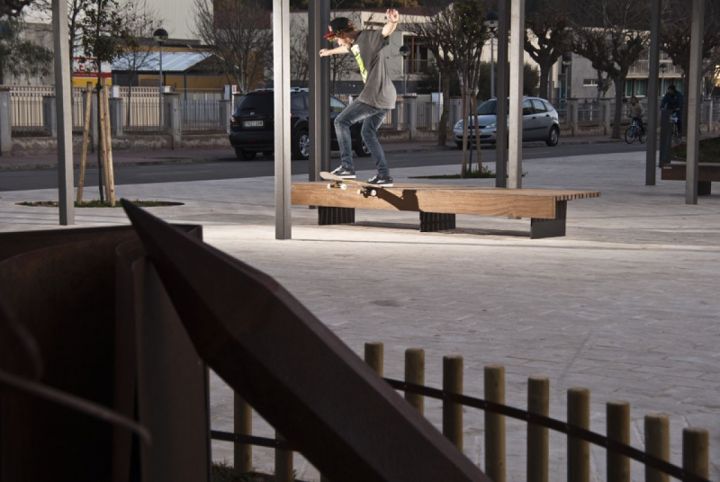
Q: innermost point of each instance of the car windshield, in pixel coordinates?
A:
(489, 107)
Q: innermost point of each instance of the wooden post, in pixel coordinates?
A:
(374, 356)
(242, 424)
(103, 140)
(695, 452)
(85, 141)
(618, 429)
(452, 412)
(415, 373)
(110, 185)
(657, 444)
(538, 451)
(283, 463)
(578, 463)
(495, 424)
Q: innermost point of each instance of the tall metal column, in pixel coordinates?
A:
(517, 36)
(318, 18)
(501, 88)
(63, 104)
(281, 84)
(694, 96)
(652, 94)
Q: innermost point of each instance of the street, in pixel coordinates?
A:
(213, 164)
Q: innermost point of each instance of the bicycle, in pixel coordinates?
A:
(635, 131)
(676, 136)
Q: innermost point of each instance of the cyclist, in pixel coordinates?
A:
(636, 113)
(673, 102)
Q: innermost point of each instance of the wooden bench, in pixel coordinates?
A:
(708, 172)
(438, 204)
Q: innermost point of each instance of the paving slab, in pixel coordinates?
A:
(626, 304)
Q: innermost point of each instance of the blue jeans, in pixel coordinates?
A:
(372, 118)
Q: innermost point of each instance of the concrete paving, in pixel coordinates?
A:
(626, 304)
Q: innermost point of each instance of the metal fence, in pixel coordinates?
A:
(201, 111)
(141, 108)
(538, 452)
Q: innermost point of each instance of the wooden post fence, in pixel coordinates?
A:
(695, 442)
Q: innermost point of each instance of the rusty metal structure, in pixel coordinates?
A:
(82, 395)
(105, 334)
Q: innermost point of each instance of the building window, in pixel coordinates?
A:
(590, 83)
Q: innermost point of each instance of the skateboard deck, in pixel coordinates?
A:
(337, 182)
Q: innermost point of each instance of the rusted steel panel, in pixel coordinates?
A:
(58, 327)
(293, 370)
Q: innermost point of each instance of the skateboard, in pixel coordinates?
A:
(337, 182)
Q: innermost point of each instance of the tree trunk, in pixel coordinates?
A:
(619, 91)
(473, 110)
(466, 121)
(545, 71)
(443, 127)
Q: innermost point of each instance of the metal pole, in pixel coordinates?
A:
(281, 72)
(652, 95)
(64, 112)
(318, 17)
(502, 95)
(160, 90)
(693, 120)
(517, 25)
(492, 66)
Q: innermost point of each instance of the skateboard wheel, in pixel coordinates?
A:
(329, 186)
(373, 192)
(343, 187)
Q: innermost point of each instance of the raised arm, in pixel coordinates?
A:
(336, 51)
(393, 17)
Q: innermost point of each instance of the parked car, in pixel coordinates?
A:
(252, 127)
(540, 122)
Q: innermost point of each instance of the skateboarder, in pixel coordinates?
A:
(376, 98)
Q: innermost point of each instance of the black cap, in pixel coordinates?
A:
(338, 25)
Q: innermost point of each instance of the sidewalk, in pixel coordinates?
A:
(48, 159)
(626, 304)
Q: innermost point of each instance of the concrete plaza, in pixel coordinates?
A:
(626, 304)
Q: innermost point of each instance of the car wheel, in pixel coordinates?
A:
(244, 155)
(553, 136)
(362, 149)
(301, 146)
(458, 144)
(268, 154)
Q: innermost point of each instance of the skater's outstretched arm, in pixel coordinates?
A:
(336, 51)
(393, 17)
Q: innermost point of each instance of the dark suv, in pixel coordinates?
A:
(252, 127)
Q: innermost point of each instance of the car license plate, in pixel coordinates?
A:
(253, 123)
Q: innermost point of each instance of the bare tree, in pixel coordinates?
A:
(299, 62)
(437, 34)
(19, 56)
(466, 46)
(13, 8)
(675, 39)
(548, 36)
(612, 34)
(136, 53)
(239, 34)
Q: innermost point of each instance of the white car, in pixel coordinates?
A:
(540, 122)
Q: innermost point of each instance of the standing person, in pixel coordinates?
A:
(378, 94)
(673, 101)
(636, 113)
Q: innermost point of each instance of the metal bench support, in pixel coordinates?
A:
(328, 215)
(436, 222)
(546, 228)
